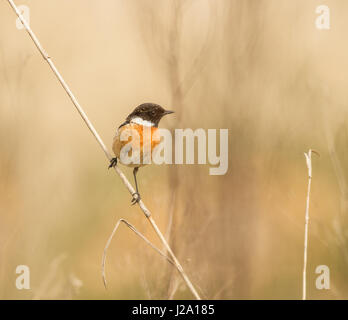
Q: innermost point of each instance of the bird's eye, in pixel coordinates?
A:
(153, 112)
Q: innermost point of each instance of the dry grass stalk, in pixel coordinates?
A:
(309, 166)
(130, 226)
(125, 181)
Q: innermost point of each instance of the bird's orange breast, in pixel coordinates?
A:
(136, 137)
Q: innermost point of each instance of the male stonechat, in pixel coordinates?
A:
(144, 118)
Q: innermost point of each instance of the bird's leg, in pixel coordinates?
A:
(136, 195)
(113, 162)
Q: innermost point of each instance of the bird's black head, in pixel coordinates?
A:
(150, 112)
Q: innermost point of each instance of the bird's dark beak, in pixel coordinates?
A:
(167, 112)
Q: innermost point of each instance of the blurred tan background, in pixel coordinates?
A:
(259, 68)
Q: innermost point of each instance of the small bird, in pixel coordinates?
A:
(145, 115)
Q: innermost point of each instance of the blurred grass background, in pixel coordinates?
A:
(259, 68)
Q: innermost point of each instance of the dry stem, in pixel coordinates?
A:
(130, 226)
(309, 166)
(101, 143)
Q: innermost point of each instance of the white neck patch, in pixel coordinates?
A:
(142, 122)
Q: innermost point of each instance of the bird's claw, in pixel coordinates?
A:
(113, 162)
(136, 198)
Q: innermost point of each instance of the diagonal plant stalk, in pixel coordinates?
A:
(130, 226)
(125, 181)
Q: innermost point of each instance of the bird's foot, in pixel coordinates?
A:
(113, 162)
(136, 198)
